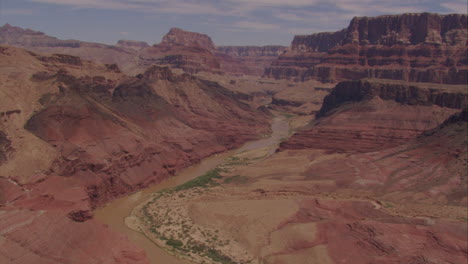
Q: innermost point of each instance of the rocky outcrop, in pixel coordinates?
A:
(190, 51)
(411, 47)
(87, 134)
(11, 35)
(371, 115)
(320, 42)
(122, 55)
(254, 59)
(408, 29)
(177, 36)
(5, 147)
(400, 92)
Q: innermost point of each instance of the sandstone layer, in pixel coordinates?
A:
(369, 115)
(75, 134)
(412, 47)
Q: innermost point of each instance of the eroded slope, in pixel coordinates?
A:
(76, 134)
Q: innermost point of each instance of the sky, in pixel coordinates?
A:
(227, 22)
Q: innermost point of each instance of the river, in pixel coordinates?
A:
(114, 213)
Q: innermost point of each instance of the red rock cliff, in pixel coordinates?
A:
(190, 51)
(412, 47)
(177, 36)
(371, 115)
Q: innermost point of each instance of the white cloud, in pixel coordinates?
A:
(293, 16)
(98, 4)
(373, 7)
(302, 31)
(246, 7)
(289, 3)
(456, 6)
(255, 26)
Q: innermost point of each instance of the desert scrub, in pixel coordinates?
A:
(233, 161)
(175, 243)
(236, 179)
(288, 115)
(206, 180)
(218, 257)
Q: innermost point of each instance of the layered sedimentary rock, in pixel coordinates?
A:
(190, 51)
(77, 134)
(254, 58)
(177, 36)
(39, 42)
(369, 115)
(411, 47)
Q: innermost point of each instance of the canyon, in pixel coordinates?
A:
(92, 134)
(346, 147)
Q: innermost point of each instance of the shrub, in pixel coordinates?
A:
(174, 243)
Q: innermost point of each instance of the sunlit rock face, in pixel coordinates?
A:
(411, 47)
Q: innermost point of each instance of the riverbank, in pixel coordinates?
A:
(114, 213)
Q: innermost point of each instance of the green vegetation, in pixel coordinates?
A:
(174, 243)
(218, 257)
(206, 180)
(236, 179)
(288, 115)
(162, 225)
(232, 161)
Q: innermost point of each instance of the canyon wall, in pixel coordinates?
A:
(371, 115)
(411, 47)
(75, 134)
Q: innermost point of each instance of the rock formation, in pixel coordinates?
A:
(411, 47)
(75, 134)
(370, 115)
(39, 42)
(190, 51)
(177, 36)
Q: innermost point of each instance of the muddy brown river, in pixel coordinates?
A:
(114, 213)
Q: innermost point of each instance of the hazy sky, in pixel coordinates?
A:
(228, 22)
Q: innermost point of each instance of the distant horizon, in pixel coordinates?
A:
(227, 22)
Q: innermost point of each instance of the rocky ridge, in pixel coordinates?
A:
(190, 51)
(370, 115)
(412, 47)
